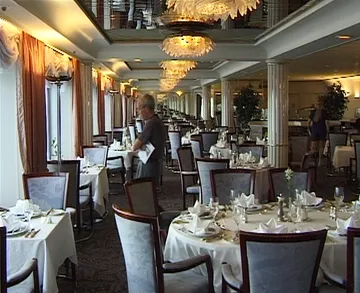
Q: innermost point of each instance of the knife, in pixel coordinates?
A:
(32, 234)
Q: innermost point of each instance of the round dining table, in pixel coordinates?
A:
(182, 244)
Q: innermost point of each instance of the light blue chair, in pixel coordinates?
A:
(209, 138)
(225, 180)
(145, 268)
(96, 155)
(256, 151)
(47, 190)
(276, 263)
(204, 166)
(196, 146)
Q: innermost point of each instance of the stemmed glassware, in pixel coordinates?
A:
(339, 195)
(237, 216)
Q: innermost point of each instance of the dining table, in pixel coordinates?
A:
(342, 155)
(53, 243)
(223, 247)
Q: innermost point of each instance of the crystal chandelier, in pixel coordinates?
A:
(167, 84)
(187, 44)
(176, 69)
(212, 9)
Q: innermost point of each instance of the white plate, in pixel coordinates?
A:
(24, 216)
(22, 229)
(254, 208)
(57, 212)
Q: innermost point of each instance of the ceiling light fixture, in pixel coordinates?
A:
(343, 37)
(167, 85)
(213, 9)
(137, 60)
(187, 44)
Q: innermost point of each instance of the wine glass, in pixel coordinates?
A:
(237, 217)
(232, 197)
(339, 195)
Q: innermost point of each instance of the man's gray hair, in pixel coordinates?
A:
(148, 101)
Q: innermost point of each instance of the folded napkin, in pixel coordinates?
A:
(202, 228)
(309, 199)
(10, 222)
(263, 162)
(197, 209)
(23, 206)
(244, 157)
(342, 225)
(246, 201)
(115, 145)
(260, 141)
(220, 144)
(272, 227)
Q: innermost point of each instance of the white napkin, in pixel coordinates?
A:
(342, 225)
(206, 228)
(263, 162)
(309, 199)
(260, 141)
(197, 209)
(272, 227)
(10, 222)
(246, 200)
(23, 206)
(220, 144)
(195, 223)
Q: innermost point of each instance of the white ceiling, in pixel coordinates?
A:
(307, 39)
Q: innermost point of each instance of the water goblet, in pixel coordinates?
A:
(339, 195)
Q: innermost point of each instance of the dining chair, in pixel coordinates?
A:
(74, 200)
(188, 174)
(204, 166)
(208, 138)
(299, 146)
(30, 267)
(225, 180)
(95, 155)
(115, 166)
(197, 146)
(47, 190)
(256, 151)
(335, 139)
(175, 143)
(132, 132)
(354, 137)
(142, 199)
(276, 263)
(353, 260)
(278, 184)
(145, 268)
(133, 168)
(100, 140)
(139, 126)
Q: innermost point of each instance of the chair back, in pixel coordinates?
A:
(186, 163)
(175, 143)
(336, 139)
(282, 262)
(256, 131)
(139, 126)
(224, 180)
(209, 138)
(278, 183)
(354, 137)
(72, 167)
(299, 146)
(134, 165)
(353, 260)
(118, 135)
(96, 155)
(132, 132)
(139, 237)
(141, 194)
(99, 140)
(357, 159)
(196, 146)
(47, 190)
(256, 151)
(185, 128)
(3, 274)
(204, 166)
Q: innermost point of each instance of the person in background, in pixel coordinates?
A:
(153, 132)
(318, 130)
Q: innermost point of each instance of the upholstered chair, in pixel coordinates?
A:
(276, 263)
(175, 143)
(47, 190)
(299, 146)
(188, 174)
(30, 267)
(132, 132)
(100, 140)
(224, 180)
(204, 166)
(335, 139)
(197, 146)
(146, 271)
(256, 151)
(278, 184)
(209, 138)
(95, 155)
(139, 126)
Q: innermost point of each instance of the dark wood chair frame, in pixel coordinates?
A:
(231, 171)
(168, 267)
(352, 233)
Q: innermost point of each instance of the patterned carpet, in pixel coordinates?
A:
(101, 265)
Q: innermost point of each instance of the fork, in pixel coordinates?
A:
(32, 234)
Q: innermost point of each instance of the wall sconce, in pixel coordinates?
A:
(357, 97)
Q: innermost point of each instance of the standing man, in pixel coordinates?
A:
(153, 132)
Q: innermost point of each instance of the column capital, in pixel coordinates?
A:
(277, 61)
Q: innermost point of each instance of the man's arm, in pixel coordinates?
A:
(137, 144)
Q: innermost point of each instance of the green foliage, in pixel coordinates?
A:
(335, 101)
(247, 105)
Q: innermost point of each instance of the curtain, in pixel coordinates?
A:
(101, 105)
(31, 105)
(78, 97)
(57, 65)
(9, 37)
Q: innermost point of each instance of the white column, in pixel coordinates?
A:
(278, 108)
(205, 101)
(227, 104)
(87, 86)
(118, 106)
(124, 109)
(277, 10)
(182, 103)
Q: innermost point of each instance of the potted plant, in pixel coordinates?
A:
(247, 105)
(335, 101)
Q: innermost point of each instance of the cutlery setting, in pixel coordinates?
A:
(31, 233)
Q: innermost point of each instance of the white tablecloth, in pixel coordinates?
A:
(181, 245)
(51, 246)
(100, 186)
(225, 152)
(126, 154)
(342, 155)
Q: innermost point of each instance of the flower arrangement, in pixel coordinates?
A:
(289, 174)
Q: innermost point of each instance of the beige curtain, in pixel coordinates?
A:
(31, 105)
